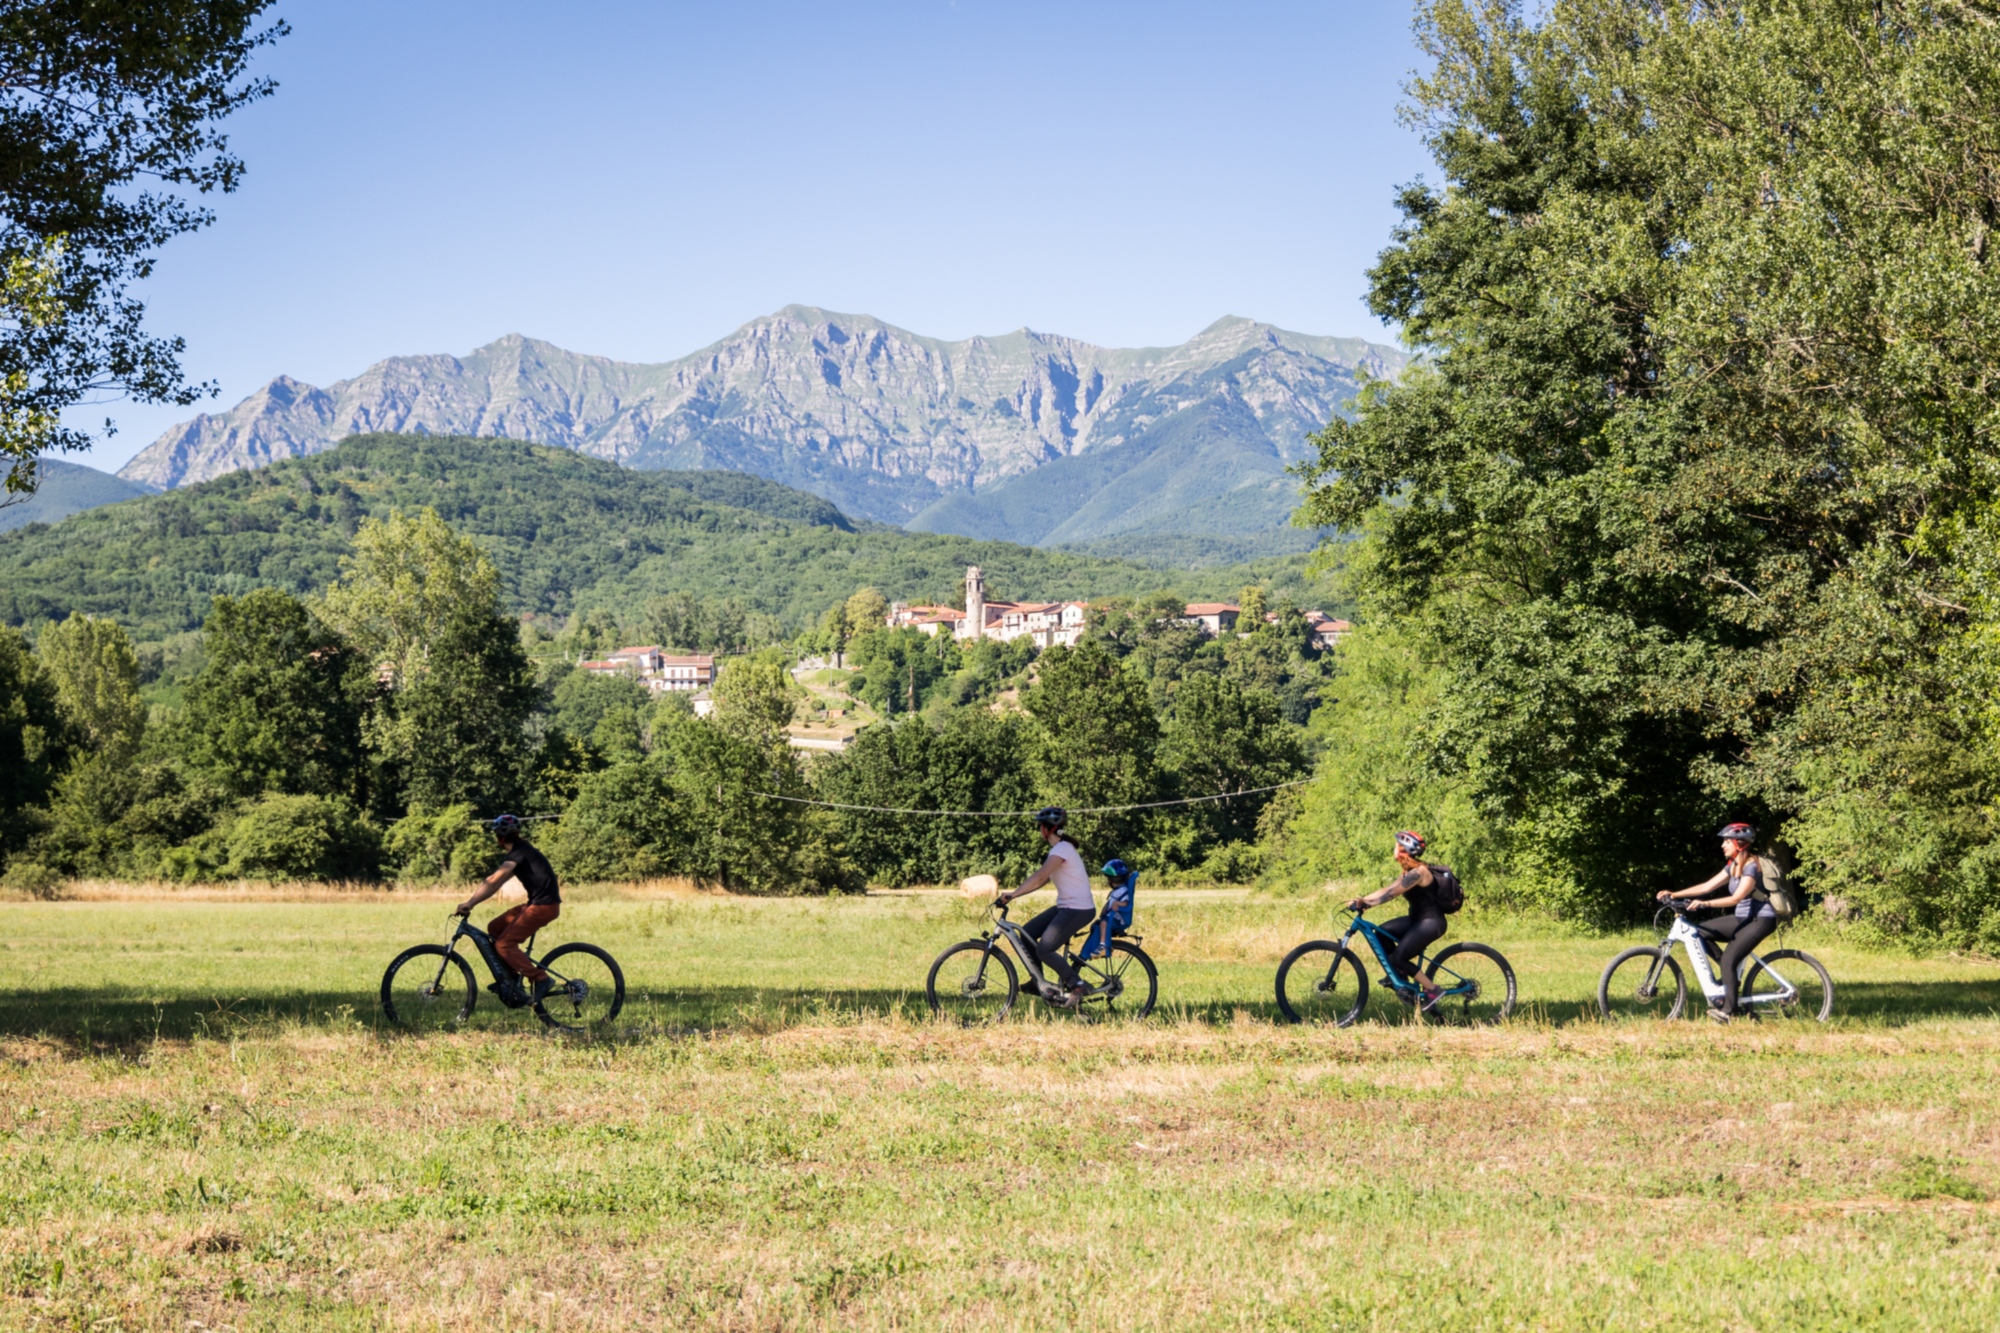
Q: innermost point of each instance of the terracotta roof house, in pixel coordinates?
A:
(1214, 618)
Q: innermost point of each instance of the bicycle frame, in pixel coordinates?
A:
(1024, 948)
(1695, 944)
(1383, 943)
(482, 942)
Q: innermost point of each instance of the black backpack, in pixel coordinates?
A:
(1446, 890)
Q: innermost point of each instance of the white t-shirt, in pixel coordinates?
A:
(1072, 881)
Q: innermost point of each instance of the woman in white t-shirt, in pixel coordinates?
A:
(1052, 929)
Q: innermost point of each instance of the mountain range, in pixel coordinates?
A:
(1027, 437)
(568, 534)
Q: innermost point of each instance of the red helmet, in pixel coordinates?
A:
(1410, 843)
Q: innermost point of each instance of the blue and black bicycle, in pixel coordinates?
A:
(1322, 981)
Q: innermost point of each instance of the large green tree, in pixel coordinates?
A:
(972, 760)
(1678, 495)
(1223, 738)
(1095, 740)
(277, 705)
(35, 738)
(423, 602)
(108, 135)
(96, 675)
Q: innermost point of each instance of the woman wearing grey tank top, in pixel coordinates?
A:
(1751, 917)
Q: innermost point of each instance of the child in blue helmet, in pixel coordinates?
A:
(1116, 919)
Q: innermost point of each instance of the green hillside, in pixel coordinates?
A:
(66, 488)
(566, 531)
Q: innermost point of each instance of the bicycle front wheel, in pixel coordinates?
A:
(1762, 985)
(428, 989)
(589, 988)
(972, 983)
(1320, 982)
(1478, 984)
(1641, 983)
(1125, 979)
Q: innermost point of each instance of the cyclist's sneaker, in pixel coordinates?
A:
(1430, 999)
(542, 989)
(1716, 1014)
(510, 993)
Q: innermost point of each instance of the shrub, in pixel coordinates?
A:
(302, 837)
(32, 878)
(426, 846)
(626, 823)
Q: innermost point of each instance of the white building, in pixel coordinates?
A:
(1048, 624)
(658, 671)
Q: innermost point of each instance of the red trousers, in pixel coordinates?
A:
(512, 928)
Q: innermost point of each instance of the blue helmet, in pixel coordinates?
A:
(1116, 871)
(505, 826)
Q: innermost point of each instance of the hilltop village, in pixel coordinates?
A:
(1061, 624)
(1045, 624)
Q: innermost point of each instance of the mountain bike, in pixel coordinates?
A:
(975, 982)
(1646, 982)
(1322, 981)
(431, 987)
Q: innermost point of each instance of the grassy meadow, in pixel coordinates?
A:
(202, 1124)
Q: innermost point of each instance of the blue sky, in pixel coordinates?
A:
(637, 180)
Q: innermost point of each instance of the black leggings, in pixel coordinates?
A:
(1743, 934)
(1412, 934)
(1051, 929)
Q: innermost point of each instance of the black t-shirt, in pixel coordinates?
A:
(532, 869)
(1418, 895)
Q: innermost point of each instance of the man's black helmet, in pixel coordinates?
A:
(1051, 816)
(505, 826)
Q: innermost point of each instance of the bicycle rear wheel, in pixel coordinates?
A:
(428, 989)
(1641, 983)
(1320, 982)
(589, 990)
(1479, 983)
(1802, 970)
(1126, 977)
(972, 982)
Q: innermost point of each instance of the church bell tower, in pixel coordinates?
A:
(975, 603)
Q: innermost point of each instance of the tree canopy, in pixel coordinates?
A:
(108, 134)
(1690, 493)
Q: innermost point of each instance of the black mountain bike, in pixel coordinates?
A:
(430, 987)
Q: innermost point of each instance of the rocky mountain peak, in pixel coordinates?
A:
(888, 424)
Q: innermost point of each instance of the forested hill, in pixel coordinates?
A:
(567, 532)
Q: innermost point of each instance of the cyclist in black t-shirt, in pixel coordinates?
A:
(1424, 925)
(522, 860)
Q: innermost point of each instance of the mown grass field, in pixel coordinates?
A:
(202, 1125)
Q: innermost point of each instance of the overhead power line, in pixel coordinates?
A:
(1017, 814)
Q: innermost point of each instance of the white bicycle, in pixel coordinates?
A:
(1646, 982)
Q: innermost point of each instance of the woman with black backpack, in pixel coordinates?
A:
(1422, 887)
